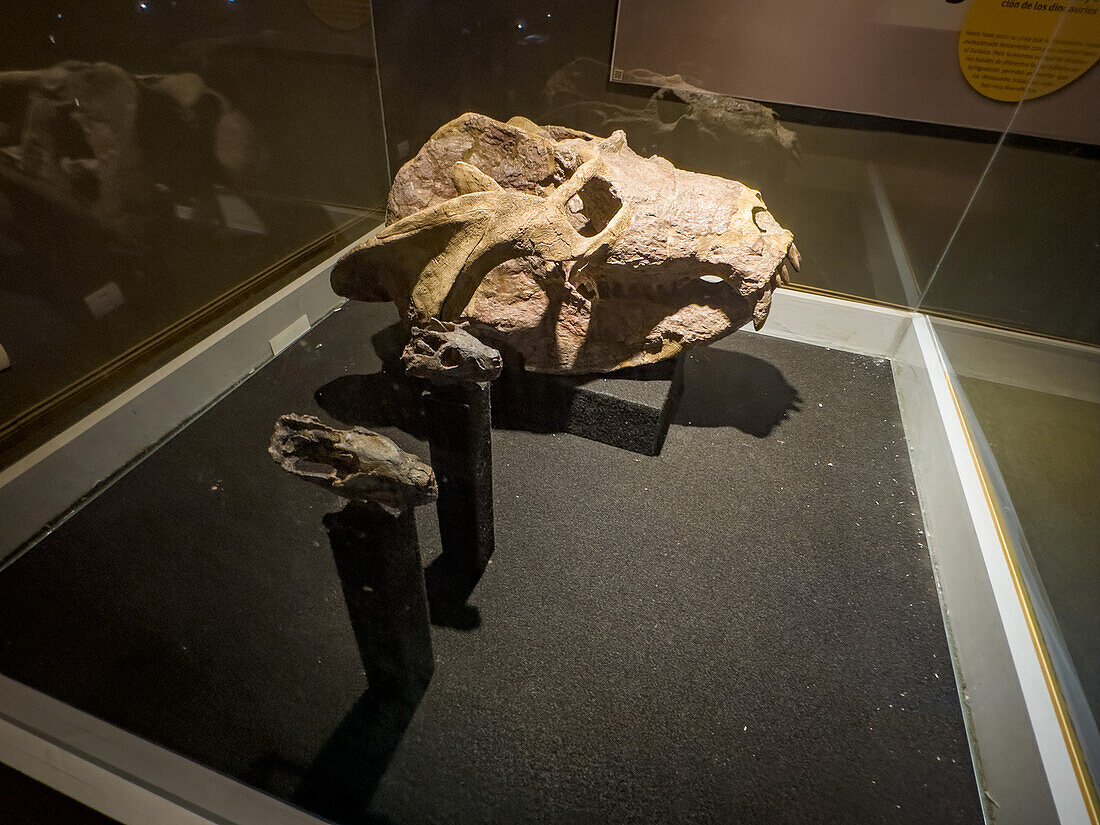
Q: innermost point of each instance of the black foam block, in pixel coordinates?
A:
(630, 408)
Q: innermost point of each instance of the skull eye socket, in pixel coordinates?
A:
(595, 204)
(450, 357)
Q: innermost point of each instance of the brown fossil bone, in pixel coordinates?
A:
(434, 259)
(357, 464)
(672, 259)
(445, 353)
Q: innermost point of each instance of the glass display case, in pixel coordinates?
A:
(571, 551)
(163, 167)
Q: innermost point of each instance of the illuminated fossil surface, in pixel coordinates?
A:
(445, 353)
(357, 464)
(569, 249)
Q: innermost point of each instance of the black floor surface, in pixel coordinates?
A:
(742, 629)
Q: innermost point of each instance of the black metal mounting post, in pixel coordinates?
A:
(460, 437)
(378, 560)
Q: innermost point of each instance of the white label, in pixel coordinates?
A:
(104, 300)
(289, 335)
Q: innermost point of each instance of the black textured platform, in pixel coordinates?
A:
(743, 629)
(630, 408)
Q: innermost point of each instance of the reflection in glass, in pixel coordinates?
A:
(162, 157)
(1025, 255)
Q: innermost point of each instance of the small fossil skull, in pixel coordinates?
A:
(445, 353)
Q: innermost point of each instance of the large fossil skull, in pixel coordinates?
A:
(677, 259)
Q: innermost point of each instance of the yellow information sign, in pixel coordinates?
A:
(1021, 49)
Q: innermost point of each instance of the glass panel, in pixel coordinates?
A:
(162, 161)
(872, 201)
(1026, 256)
(1025, 253)
(1033, 409)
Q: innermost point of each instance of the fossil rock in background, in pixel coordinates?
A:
(679, 120)
(357, 464)
(97, 139)
(693, 257)
(445, 353)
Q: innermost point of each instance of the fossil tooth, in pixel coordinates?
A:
(760, 312)
(794, 257)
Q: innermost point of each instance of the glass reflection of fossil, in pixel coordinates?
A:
(112, 145)
(708, 132)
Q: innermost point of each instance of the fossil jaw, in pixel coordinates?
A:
(357, 464)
